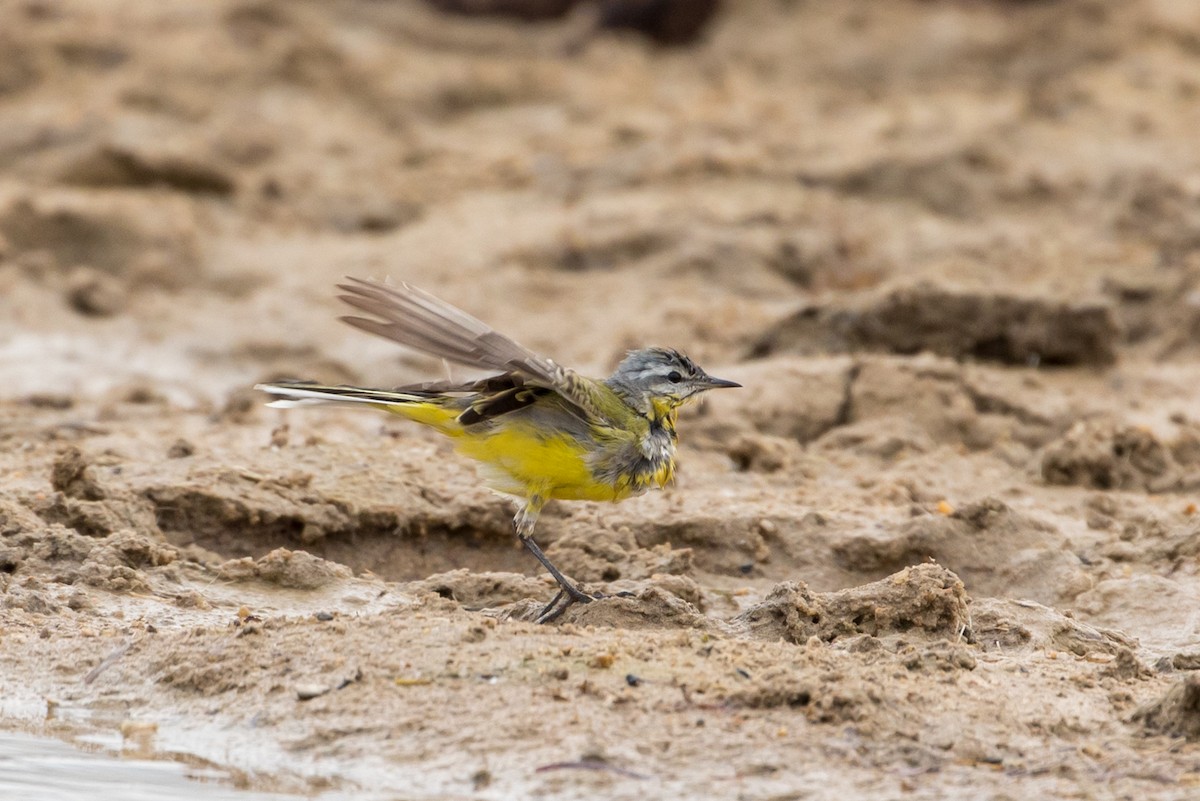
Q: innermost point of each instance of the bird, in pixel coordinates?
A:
(540, 431)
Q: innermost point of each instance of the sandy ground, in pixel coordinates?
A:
(943, 545)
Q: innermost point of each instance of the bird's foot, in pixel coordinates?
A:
(567, 596)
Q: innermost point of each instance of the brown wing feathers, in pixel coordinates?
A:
(415, 318)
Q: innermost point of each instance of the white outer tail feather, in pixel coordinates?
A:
(298, 402)
(294, 397)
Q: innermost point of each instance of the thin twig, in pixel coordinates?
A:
(592, 764)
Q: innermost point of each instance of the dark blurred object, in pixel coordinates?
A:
(521, 9)
(673, 22)
(670, 22)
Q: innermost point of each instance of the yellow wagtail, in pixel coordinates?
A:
(541, 431)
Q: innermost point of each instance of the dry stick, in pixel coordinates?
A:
(591, 764)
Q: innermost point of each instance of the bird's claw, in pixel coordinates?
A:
(569, 595)
(566, 596)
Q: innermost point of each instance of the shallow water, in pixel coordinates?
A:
(41, 769)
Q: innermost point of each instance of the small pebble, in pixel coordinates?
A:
(94, 293)
(602, 661)
(307, 692)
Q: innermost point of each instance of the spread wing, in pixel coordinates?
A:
(413, 317)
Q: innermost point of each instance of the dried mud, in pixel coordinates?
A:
(944, 544)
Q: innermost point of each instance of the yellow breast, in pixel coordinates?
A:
(522, 461)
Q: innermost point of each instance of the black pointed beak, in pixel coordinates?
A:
(718, 383)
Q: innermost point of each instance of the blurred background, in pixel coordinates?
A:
(181, 184)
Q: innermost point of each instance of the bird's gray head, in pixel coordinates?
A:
(661, 379)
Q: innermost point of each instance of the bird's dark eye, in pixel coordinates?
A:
(674, 377)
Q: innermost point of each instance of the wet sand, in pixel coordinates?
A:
(944, 543)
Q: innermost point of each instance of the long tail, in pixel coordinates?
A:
(431, 408)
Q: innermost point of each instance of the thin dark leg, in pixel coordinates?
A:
(567, 587)
(568, 593)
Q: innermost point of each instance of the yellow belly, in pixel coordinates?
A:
(519, 460)
(522, 462)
